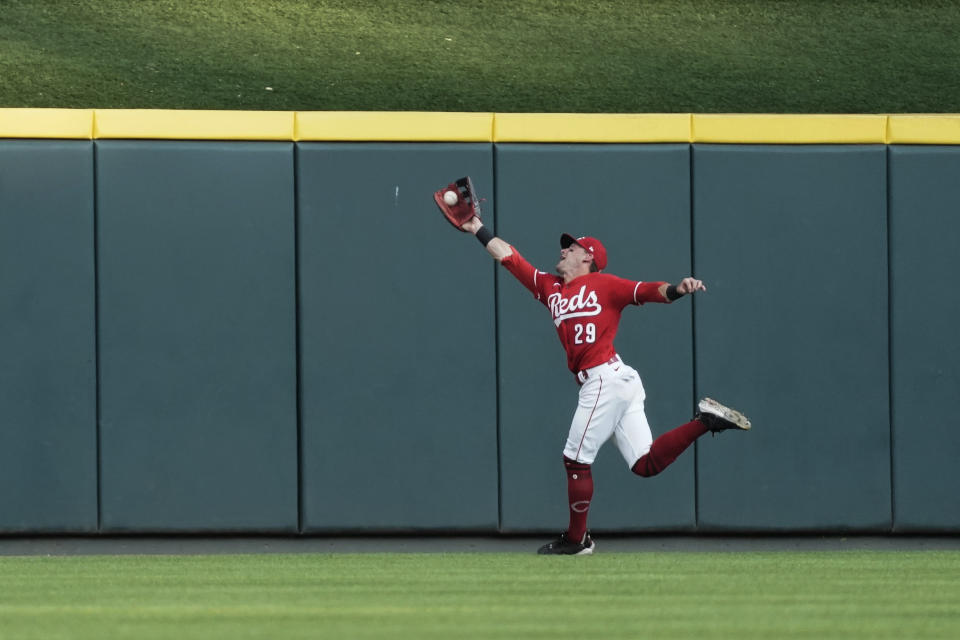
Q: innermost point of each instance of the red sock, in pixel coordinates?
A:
(579, 492)
(667, 448)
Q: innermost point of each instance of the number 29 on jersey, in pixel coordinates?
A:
(584, 333)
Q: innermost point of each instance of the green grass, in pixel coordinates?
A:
(856, 56)
(464, 596)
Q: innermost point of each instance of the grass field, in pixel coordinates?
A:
(805, 56)
(849, 594)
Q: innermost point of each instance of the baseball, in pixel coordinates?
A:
(451, 197)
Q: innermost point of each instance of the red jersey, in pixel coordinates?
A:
(586, 311)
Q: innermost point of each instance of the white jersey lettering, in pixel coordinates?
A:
(580, 305)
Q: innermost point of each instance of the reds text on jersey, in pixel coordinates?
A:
(585, 311)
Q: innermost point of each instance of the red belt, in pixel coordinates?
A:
(583, 374)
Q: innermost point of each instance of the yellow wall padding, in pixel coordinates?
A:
(172, 124)
(413, 126)
(924, 129)
(423, 126)
(46, 123)
(584, 127)
(789, 129)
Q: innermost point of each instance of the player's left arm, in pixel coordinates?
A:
(664, 291)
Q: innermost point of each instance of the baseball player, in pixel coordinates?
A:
(585, 305)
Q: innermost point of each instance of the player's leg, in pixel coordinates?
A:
(575, 540)
(648, 458)
(667, 448)
(600, 406)
(579, 495)
(632, 435)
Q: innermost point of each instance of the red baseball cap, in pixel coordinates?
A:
(593, 246)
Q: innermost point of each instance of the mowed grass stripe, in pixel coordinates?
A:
(744, 595)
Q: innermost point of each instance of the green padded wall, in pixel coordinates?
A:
(433, 391)
(794, 333)
(197, 336)
(925, 305)
(636, 200)
(397, 341)
(48, 438)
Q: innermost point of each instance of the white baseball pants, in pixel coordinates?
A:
(610, 404)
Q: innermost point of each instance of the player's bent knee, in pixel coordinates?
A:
(646, 466)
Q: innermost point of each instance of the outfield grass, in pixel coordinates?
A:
(645, 595)
(805, 56)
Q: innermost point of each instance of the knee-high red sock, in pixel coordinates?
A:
(667, 448)
(579, 492)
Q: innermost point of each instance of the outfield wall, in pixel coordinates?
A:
(258, 322)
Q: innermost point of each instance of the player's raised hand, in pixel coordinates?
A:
(690, 285)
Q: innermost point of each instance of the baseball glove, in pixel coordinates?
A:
(458, 202)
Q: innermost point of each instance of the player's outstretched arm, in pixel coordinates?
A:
(496, 247)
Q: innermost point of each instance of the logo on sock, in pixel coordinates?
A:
(581, 506)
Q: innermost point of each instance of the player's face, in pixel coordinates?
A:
(571, 258)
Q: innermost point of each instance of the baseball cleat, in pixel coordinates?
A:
(563, 546)
(717, 418)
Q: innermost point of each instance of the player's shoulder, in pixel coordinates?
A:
(603, 275)
(610, 279)
(613, 286)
